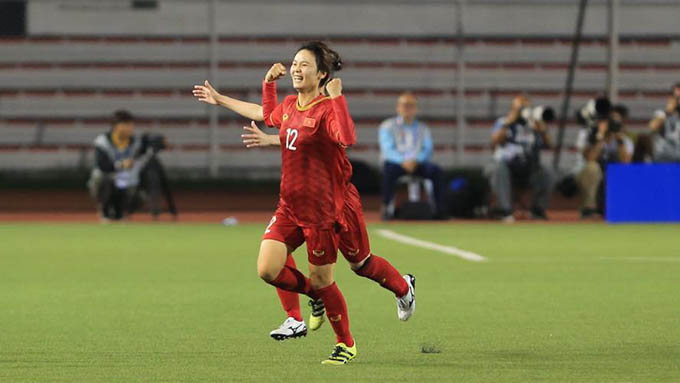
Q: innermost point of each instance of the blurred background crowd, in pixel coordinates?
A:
(476, 109)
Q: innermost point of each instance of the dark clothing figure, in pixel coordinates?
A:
(123, 179)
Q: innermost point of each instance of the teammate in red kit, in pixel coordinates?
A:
(316, 130)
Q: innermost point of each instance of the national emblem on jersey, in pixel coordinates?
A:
(309, 122)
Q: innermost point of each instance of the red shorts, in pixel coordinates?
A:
(322, 244)
(354, 243)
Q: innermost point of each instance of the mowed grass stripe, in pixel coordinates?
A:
(183, 303)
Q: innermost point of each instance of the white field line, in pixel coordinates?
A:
(463, 254)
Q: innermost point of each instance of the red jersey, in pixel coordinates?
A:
(315, 169)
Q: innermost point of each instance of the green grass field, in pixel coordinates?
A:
(182, 303)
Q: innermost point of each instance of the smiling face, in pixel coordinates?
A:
(304, 71)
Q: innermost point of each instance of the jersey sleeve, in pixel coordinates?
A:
(271, 110)
(340, 126)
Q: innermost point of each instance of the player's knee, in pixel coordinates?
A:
(320, 280)
(267, 274)
(271, 260)
(356, 266)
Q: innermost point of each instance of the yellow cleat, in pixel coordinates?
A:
(341, 354)
(317, 317)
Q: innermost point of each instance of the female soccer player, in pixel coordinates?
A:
(316, 129)
(355, 247)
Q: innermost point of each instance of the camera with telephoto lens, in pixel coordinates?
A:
(541, 113)
(596, 109)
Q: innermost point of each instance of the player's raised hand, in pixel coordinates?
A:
(206, 93)
(256, 137)
(275, 72)
(520, 102)
(334, 88)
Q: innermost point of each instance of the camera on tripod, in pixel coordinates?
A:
(156, 142)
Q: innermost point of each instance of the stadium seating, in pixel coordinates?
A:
(56, 92)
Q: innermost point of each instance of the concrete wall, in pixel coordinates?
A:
(347, 18)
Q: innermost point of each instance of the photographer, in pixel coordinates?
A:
(127, 170)
(601, 141)
(665, 129)
(518, 139)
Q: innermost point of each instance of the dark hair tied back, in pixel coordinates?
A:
(337, 62)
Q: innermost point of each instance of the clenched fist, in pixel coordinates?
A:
(275, 72)
(334, 88)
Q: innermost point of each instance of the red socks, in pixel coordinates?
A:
(336, 310)
(292, 280)
(381, 271)
(290, 300)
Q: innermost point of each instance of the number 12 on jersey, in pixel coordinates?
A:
(291, 136)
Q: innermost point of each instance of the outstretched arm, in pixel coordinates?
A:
(206, 93)
(257, 138)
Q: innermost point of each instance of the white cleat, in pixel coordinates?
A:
(406, 305)
(290, 328)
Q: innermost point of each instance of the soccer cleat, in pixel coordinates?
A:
(341, 354)
(290, 328)
(317, 318)
(406, 305)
